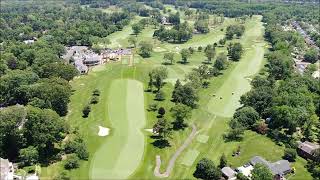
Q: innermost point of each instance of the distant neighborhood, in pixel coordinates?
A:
(279, 169)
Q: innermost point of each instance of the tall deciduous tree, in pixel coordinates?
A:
(181, 113)
(235, 50)
(145, 49)
(169, 57)
(206, 170)
(184, 55)
(261, 172)
(210, 52)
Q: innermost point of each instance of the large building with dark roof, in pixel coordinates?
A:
(280, 168)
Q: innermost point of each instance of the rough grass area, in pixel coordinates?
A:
(189, 157)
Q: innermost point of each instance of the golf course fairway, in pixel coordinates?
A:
(123, 150)
(226, 100)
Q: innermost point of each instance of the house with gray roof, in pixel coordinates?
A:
(279, 168)
(306, 149)
(229, 173)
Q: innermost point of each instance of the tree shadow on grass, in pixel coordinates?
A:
(161, 143)
(206, 62)
(182, 62)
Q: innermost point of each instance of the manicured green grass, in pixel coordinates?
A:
(189, 157)
(226, 100)
(202, 138)
(119, 156)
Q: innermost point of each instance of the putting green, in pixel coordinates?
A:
(190, 157)
(123, 150)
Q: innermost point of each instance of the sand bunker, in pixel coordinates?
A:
(103, 131)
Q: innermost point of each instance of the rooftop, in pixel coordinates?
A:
(227, 171)
(308, 147)
(280, 167)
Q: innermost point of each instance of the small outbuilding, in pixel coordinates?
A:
(229, 173)
(306, 149)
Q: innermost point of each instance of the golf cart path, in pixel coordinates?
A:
(173, 159)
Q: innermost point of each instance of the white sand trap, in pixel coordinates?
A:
(103, 131)
(151, 131)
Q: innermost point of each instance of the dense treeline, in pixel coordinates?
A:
(306, 12)
(69, 25)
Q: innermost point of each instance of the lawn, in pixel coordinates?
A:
(121, 153)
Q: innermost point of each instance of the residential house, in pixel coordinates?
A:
(6, 169)
(278, 169)
(306, 149)
(164, 21)
(229, 173)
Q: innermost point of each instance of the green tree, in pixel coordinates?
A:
(261, 172)
(137, 28)
(223, 161)
(174, 18)
(55, 91)
(290, 154)
(11, 139)
(311, 55)
(72, 162)
(29, 156)
(43, 128)
(160, 96)
(62, 175)
(186, 94)
(162, 127)
(14, 86)
(240, 176)
(181, 113)
(145, 49)
(206, 170)
(247, 116)
(94, 100)
(222, 41)
(86, 110)
(169, 57)
(201, 26)
(280, 66)
(221, 62)
(161, 111)
(184, 55)
(67, 72)
(235, 50)
(157, 77)
(133, 40)
(210, 52)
